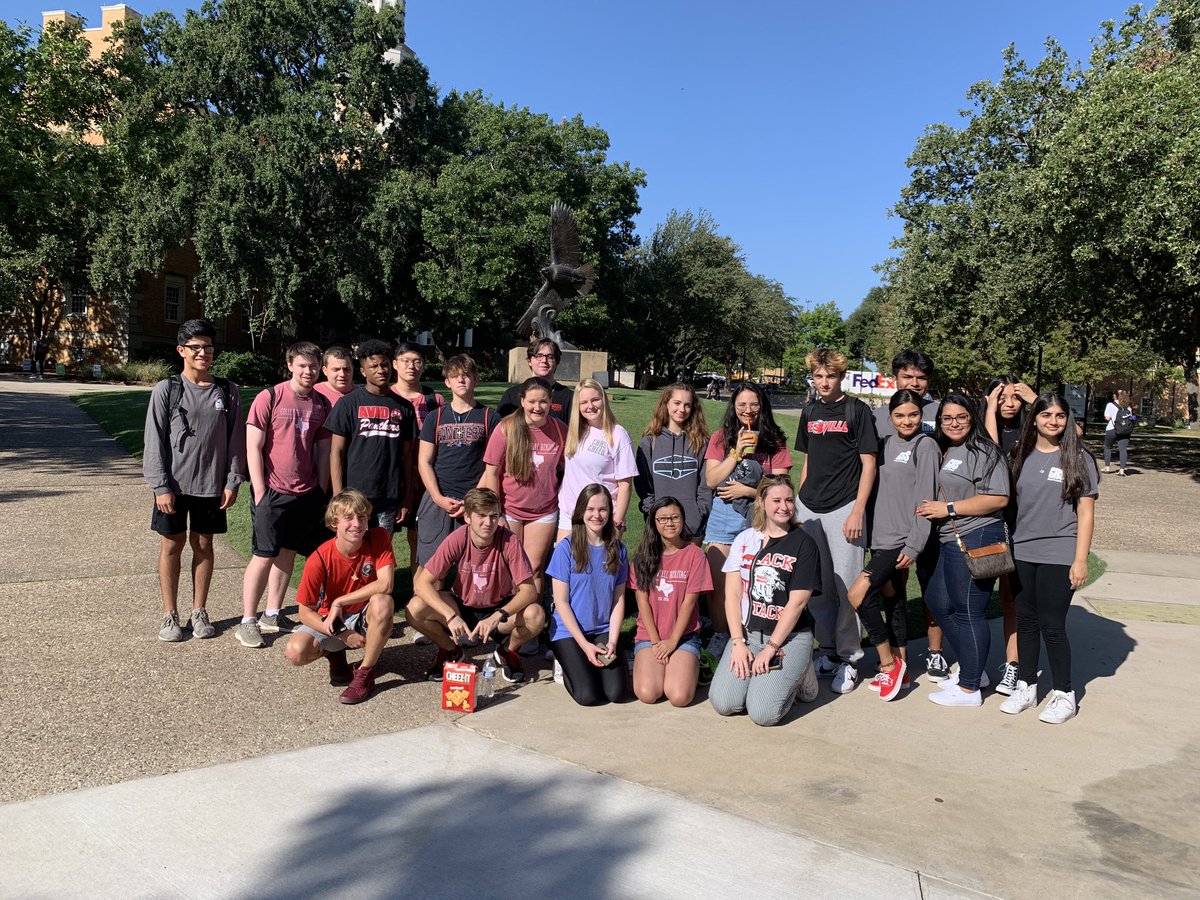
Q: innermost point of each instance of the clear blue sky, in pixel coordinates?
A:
(789, 122)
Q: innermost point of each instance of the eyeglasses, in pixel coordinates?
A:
(964, 419)
(200, 349)
(544, 357)
(668, 520)
(413, 363)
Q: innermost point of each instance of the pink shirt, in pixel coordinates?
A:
(538, 497)
(484, 577)
(595, 462)
(330, 392)
(779, 461)
(681, 573)
(291, 432)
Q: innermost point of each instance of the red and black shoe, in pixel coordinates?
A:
(361, 687)
(509, 664)
(434, 672)
(341, 673)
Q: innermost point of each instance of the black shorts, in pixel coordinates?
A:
(289, 522)
(473, 615)
(205, 514)
(882, 566)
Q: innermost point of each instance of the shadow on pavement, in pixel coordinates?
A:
(1099, 647)
(468, 837)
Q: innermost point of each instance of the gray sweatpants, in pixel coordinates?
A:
(838, 630)
(765, 698)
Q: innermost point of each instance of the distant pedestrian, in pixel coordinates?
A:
(1056, 489)
(1119, 424)
(41, 349)
(194, 460)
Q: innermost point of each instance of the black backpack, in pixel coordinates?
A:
(1123, 422)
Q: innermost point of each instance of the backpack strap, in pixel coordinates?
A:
(437, 426)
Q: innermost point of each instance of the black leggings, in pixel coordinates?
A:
(589, 685)
(1042, 593)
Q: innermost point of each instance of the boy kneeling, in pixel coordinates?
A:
(345, 597)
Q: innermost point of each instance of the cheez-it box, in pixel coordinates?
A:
(458, 687)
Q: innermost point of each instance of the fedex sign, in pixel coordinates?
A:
(874, 383)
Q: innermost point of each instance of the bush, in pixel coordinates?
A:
(147, 372)
(113, 373)
(247, 369)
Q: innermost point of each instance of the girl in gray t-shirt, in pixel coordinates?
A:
(1056, 488)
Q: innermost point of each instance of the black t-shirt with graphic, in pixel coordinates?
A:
(782, 565)
(460, 439)
(375, 428)
(832, 435)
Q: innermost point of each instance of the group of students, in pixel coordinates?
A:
(497, 500)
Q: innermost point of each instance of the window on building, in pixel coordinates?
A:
(79, 300)
(173, 299)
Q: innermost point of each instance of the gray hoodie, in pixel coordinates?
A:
(668, 467)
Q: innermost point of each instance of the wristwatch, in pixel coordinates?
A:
(950, 509)
(504, 615)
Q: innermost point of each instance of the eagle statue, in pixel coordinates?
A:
(566, 277)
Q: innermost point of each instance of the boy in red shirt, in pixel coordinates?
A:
(345, 597)
(492, 593)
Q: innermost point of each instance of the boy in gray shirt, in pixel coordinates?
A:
(194, 461)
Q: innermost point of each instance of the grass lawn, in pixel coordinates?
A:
(123, 414)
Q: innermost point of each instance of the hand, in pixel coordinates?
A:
(852, 528)
(903, 562)
(663, 649)
(1025, 392)
(932, 509)
(1078, 575)
(228, 498)
(329, 623)
(353, 640)
(166, 503)
(762, 662)
(620, 525)
(457, 627)
(733, 490)
(611, 649)
(484, 629)
(452, 507)
(402, 512)
(592, 652)
(993, 397)
(740, 661)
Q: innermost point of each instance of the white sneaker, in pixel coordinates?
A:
(1023, 697)
(1059, 708)
(718, 642)
(558, 676)
(825, 666)
(808, 686)
(952, 680)
(845, 679)
(956, 696)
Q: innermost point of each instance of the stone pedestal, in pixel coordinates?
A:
(574, 366)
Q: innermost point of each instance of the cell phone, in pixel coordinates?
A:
(776, 663)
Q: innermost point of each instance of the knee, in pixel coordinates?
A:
(681, 697)
(533, 616)
(586, 695)
(723, 704)
(299, 649)
(202, 545)
(380, 609)
(765, 717)
(172, 547)
(647, 693)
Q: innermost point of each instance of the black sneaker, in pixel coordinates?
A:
(340, 672)
(936, 666)
(434, 673)
(509, 664)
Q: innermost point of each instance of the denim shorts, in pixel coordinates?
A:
(724, 523)
(689, 642)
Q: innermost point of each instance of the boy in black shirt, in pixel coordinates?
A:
(837, 437)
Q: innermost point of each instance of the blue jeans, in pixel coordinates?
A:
(959, 603)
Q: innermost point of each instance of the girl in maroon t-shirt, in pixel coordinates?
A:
(668, 573)
(522, 464)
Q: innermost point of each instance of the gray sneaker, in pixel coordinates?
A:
(170, 630)
(201, 627)
(248, 635)
(274, 624)
(808, 685)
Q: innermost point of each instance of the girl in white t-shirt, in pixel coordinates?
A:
(597, 451)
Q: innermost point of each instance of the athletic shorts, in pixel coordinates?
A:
(473, 615)
(383, 515)
(882, 566)
(356, 622)
(289, 522)
(548, 519)
(433, 526)
(689, 642)
(205, 514)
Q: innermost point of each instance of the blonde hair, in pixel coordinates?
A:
(348, 502)
(578, 426)
(696, 428)
(518, 454)
(758, 520)
(825, 358)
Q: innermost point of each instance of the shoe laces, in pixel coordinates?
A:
(200, 615)
(1059, 702)
(170, 619)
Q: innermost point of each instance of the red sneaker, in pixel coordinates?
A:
(892, 683)
(509, 664)
(340, 671)
(361, 687)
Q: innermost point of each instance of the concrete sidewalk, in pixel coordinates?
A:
(178, 749)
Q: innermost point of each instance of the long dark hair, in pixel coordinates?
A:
(1071, 448)
(977, 439)
(770, 435)
(579, 539)
(648, 559)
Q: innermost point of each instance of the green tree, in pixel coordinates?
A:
(861, 325)
(820, 326)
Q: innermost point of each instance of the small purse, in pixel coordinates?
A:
(988, 561)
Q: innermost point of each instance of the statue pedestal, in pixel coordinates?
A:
(574, 366)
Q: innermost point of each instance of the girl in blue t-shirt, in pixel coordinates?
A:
(589, 569)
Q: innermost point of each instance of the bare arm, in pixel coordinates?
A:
(256, 440)
(337, 462)
(624, 492)
(1085, 514)
(852, 528)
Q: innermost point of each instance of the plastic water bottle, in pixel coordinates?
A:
(487, 681)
